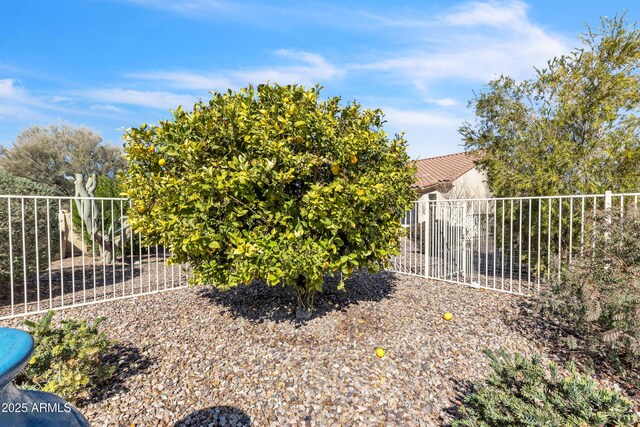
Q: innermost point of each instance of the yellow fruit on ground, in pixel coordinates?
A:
(380, 352)
(162, 162)
(353, 160)
(447, 316)
(335, 169)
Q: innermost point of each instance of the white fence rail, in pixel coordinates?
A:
(50, 259)
(49, 262)
(506, 244)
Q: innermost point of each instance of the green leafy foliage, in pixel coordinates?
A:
(109, 213)
(67, 358)
(571, 130)
(523, 392)
(598, 295)
(36, 232)
(270, 183)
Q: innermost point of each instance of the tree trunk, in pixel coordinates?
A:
(305, 299)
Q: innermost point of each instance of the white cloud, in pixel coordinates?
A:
(307, 69)
(16, 103)
(185, 80)
(9, 88)
(492, 13)
(151, 99)
(107, 107)
(428, 133)
(459, 46)
(445, 102)
(313, 68)
(186, 7)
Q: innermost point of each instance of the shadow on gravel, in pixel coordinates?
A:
(564, 345)
(461, 388)
(259, 302)
(128, 361)
(217, 416)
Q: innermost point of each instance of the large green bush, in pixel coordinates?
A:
(67, 358)
(523, 392)
(272, 183)
(598, 295)
(12, 185)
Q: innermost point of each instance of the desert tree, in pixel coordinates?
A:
(573, 129)
(53, 155)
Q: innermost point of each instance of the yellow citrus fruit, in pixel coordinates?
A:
(325, 265)
(151, 149)
(353, 160)
(380, 352)
(142, 208)
(162, 162)
(447, 316)
(335, 169)
(350, 270)
(298, 140)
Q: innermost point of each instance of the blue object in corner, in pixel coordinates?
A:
(28, 408)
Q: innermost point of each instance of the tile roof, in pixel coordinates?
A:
(442, 169)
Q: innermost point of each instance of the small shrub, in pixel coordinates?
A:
(12, 185)
(67, 359)
(598, 295)
(522, 392)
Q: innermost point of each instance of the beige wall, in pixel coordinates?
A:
(471, 185)
(71, 242)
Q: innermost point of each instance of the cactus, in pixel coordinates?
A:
(88, 210)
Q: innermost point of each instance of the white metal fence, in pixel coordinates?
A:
(47, 263)
(506, 244)
(51, 260)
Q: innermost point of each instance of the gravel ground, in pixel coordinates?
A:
(196, 356)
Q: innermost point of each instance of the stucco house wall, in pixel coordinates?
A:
(451, 176)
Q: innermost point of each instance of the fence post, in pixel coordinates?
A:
(464, 241)
(608, 196)
(427, 240)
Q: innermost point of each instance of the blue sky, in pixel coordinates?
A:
(112, 64)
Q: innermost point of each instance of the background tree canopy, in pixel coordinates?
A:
(52, 155)
(574, 129)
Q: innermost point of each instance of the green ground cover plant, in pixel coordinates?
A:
(525, 392)
(67, 359)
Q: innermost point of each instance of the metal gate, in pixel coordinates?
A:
(505, 244)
